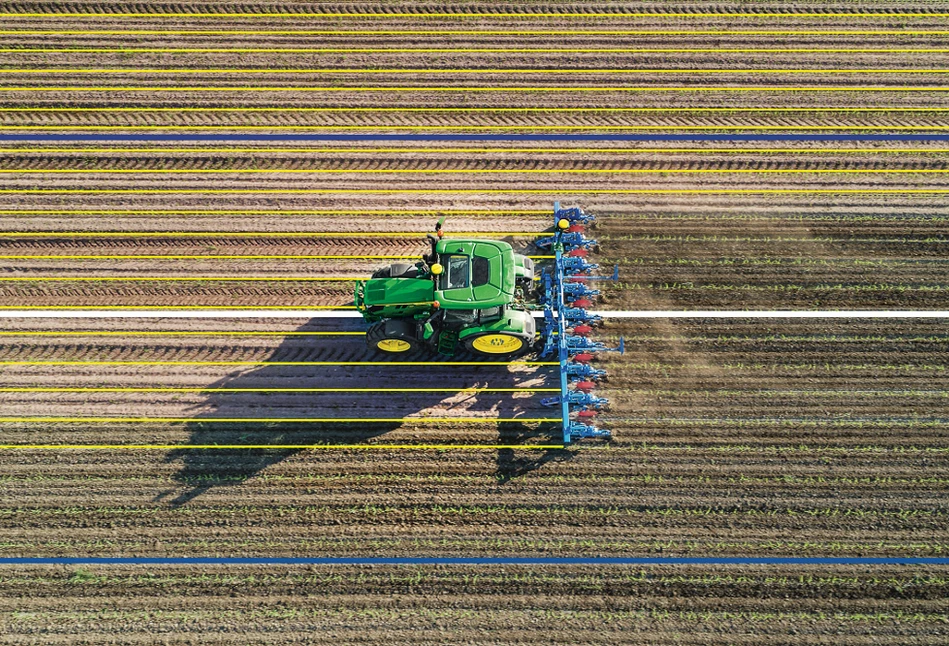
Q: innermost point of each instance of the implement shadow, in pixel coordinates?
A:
(510, 465)
(205, 469)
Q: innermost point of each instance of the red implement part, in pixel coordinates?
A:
(582, 330)
(586, 414)
(584, 357)
(578, 253)
(576, 228)
(576, 279)
(582, 302)
(586, 386)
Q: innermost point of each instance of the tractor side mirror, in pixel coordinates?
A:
(433, 257)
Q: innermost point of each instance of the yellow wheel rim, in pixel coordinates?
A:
(394, 345)
(497, 343)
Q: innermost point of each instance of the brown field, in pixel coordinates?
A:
(731, 437)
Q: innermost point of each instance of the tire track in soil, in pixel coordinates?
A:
(364, 121)
(514, 162)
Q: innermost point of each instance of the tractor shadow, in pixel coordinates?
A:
(202, 470)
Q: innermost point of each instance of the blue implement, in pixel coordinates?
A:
(561, 286)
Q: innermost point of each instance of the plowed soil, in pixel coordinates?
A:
(731, 437)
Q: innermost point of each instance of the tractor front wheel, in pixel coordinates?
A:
(496, 344)
(394, 337)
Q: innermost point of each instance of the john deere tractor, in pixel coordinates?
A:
(467, 294)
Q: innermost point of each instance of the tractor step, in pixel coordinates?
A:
(447, 342)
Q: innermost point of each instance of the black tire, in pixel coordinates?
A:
(395, 270)
(392, 337)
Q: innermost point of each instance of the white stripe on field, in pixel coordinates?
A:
(340, 314)
(777, 314)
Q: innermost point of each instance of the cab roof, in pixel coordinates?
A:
(490, 274)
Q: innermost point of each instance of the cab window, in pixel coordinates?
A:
(455, 275)
(479, 271)
(490, 314)
(465, 317)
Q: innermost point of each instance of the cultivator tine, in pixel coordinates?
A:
(572, 265)
(580, 278)
(573, 216)
(582, 373)
(565, 297)
(574, 291)
(580, 431)
(579, 316)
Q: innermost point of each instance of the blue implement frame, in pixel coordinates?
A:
(561, 315)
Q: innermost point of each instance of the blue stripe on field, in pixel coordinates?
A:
(474, 137)
(648, 560)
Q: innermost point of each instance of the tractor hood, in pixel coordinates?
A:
(398, 291)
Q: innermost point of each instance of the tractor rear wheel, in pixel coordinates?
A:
(496, 344)
(393, 336)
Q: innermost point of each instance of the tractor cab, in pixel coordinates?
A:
(474, 271)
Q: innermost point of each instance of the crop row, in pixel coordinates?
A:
(622, 219)
(549, 546)
(660, 477)
(828, 367)
(485, 578)
(158, 621)
(682, 450)
(774, 261)
(781, 338)
(784, 287)
(301, 512)
(451, 163)
(703, 238)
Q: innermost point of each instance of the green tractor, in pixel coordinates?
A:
(465, 293)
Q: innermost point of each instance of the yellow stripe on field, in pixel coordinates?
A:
(496, 171)
(486, 191)
(313, 447)
(462, 127)
(54, 362)
(228, 257)
(173, 279)
(252, 234)
(446, 150)
(280, 211)
(167, 333)
(279, 390)
(176, 307)
(483, 32)
(145, 279)
(196, 257)
(462, 88)
(471, 50)
(467, 110)
(274, 420)
(447, 70)
(468, 14)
